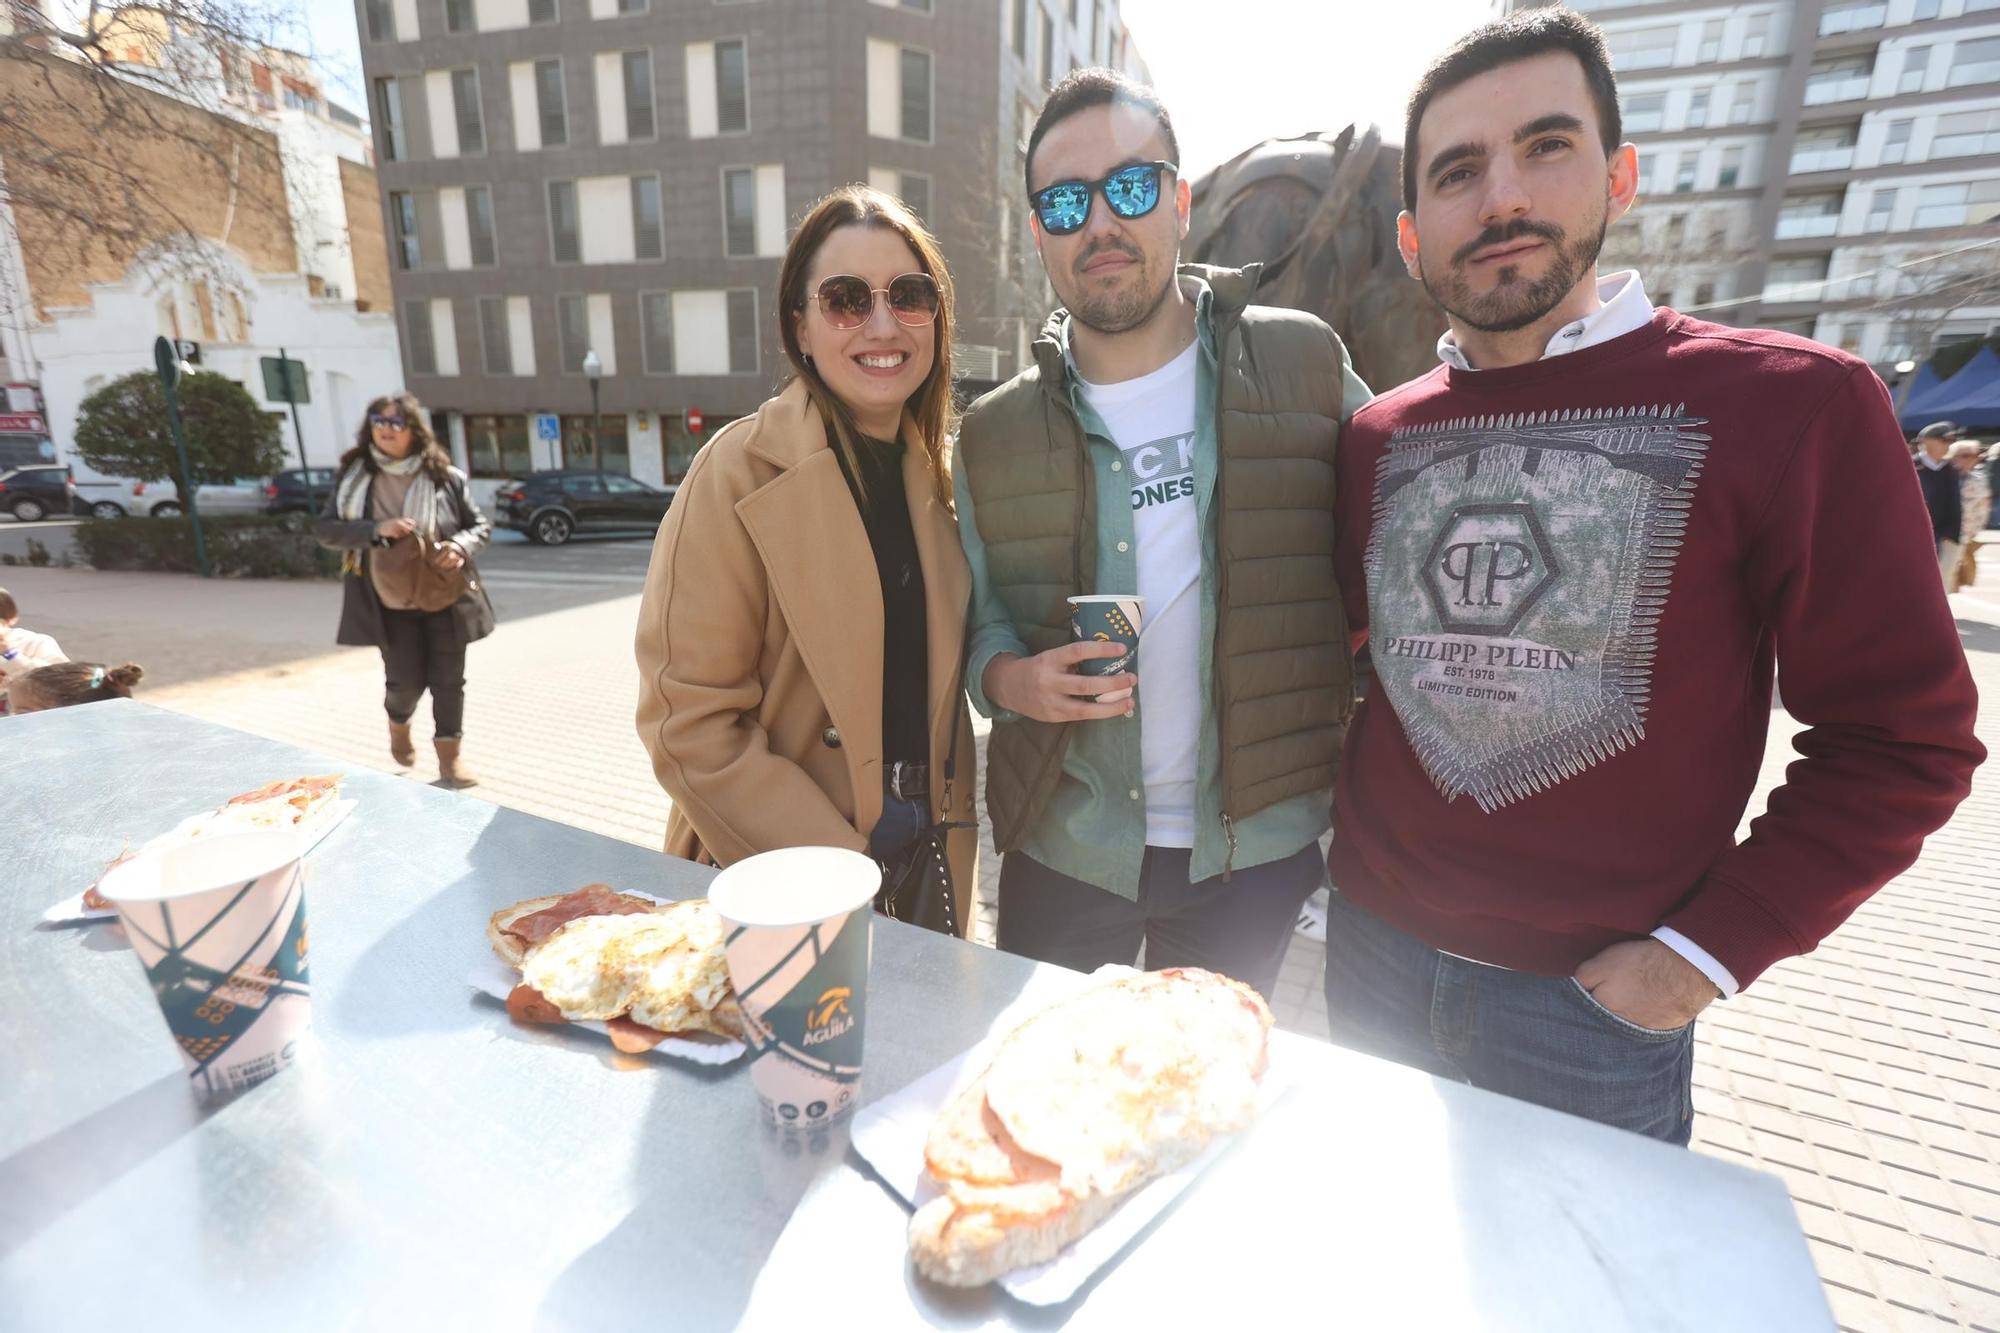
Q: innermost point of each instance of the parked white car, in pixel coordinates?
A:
(113, 497)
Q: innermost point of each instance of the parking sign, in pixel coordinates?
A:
(548, 427)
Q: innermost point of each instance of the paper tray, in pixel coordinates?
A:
(313, 830)
(493, 977)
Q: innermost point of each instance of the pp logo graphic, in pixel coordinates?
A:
(1488, 567)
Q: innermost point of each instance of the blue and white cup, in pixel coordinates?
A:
(219, 923)
(797, 932)
(1108, 618)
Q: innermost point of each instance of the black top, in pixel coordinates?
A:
(1943, 498)
(906, 733)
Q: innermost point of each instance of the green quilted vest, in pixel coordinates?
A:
(1283, 672)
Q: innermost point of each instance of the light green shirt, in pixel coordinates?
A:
(1094, 827)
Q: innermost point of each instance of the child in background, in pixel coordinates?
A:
(68, 683)
(22, 649)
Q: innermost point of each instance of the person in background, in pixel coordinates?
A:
(803, 622)
(1976, 495)
(22, 650)
(398, 500)
(67, 683)
(1943, 487)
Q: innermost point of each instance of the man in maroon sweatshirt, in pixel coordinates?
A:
(1583, 543)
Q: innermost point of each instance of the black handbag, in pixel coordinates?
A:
(916, 882)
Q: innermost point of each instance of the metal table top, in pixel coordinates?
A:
(432, 1162)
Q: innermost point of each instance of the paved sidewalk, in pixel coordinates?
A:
(1866, 1075)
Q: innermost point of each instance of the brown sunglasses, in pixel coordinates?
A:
(846, 301)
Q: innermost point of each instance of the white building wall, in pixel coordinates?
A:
(406, 20)
(771, 220)
(527, 111)
(610, 85)
(703, 116)
(443, 114)
(444, 335)
(604, 217)
(521, 334)
(597, 315)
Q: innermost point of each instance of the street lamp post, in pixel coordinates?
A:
(593, 369)
(1903, 369)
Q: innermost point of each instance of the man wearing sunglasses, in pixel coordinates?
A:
(1174, 442)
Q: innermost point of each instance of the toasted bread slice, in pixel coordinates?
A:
(512, 948)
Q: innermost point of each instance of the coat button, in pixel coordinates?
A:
(830, 738)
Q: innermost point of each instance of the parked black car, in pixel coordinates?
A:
(32, 494)
(552, 506)
(298, 490)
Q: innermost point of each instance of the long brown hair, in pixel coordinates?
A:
(930, 406)
(437, 461)
(68, 683)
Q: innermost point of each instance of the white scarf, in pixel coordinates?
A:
(423, 504)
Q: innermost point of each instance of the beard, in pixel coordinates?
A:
(1125, 307)
(1514, 303)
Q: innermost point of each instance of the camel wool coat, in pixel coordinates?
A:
(760, 648)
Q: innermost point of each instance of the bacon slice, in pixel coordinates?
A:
(300, 793)
(634, 1038)
(525, 1004)
(590, 900)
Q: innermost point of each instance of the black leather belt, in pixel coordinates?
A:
(909, 782)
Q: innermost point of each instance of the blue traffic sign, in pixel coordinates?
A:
(548, 426)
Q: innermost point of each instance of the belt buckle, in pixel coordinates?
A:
(896, 771)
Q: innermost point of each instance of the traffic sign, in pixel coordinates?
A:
(548, 427)
(694, 421)
(285, 380)
(167, 361)
(189, 349)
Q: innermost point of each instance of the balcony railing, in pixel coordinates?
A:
(1836, 88)
(1854, 18)
(1831, 158)
(1817, 224)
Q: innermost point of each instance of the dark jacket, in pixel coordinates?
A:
(361, 609)
(1943, 498)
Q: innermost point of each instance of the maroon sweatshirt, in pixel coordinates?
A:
(1578, 574)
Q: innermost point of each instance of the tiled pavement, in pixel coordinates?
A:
(1866, 1075)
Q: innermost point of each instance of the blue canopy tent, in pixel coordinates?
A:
(1922, 385)
(1971, 397)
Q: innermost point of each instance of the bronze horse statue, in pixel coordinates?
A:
(1319, 212)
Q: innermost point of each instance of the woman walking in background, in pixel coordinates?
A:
(804, 617)
(408, 529)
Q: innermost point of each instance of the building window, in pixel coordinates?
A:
(1881, 209)
(1896, 143)
(1916, 64)
(1974, 62)
(1745, 103)
(572, 332)
(1684, 174)
(1096, 36)
(422, 343)
(1644, 48)
(403, 225)
(479, 224)
(465, 108)
(541, 11)
(638, 69)
(1756, 35)
(389, 116)
(563, 225)
(1966, 134)
(551, 108)
(732, 88)
(495, 347)
(1710, 49)
(743, 330)
(578, 434)
(1648, 164)
(1677, 226)
(1704, 293)
(648, 239)
(381, 21)
(1021, 28)
(739, 212)
(1971, 204)
(1048, 49)
(915, 71)
(1731, 169)
(459, 16)
(656, 332)
(497, 447)
(916, 193)
(631, 6)
(1926, 9)
(1697, 109)
(1645, 112)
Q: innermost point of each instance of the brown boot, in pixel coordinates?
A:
(401, 748)
(451, 773)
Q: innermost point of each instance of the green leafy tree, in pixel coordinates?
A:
(122, 430)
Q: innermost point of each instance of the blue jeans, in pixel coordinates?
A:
(1239, 927)
(898, 827)
(1541, 1039)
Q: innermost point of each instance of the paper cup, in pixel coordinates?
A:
(797, 944)
(220, 927)
(1108, 618)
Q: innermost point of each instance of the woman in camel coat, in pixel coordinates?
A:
(803, 623)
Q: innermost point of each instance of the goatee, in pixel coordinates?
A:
(1512, 303)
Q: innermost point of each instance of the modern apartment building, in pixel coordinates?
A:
(562, 177)
(1830, 167)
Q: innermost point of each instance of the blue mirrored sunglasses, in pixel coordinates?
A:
(1132, 192)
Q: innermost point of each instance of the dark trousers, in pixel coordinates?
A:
(424, 650)
(1541, 1039)
(1240, 927)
